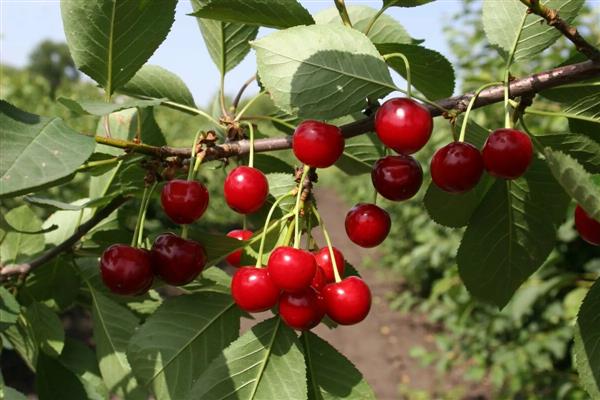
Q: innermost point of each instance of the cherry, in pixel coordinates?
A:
(319, 280)
(176, 260)
(588, 228)
(317, 144)
(403, 125)
(507, 153)
(291, 269)
(367, 225)
(126, 270)
(253, 290)
(398, 177)
(347, 302)
(323, 260)
(184, 201)
(457, 167)
(235, 258)
(302, 311)
(246, 189)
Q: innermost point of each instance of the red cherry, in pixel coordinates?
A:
(126, 270)
(403, 125)
(319, 280)
(318, 144)
(457, 167)
(398, 177)
(291, 269)
(253, 290)
(367, 225)
(177, 261)
(324, 261)
(184, 201)
(347, 302)
(302, 311)
(507, 153)
(588, 228)
(234, 258)
(246, 189)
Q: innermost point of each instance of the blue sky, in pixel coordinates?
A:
(24, 23)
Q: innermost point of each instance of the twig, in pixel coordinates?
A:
(238, 97)
(343, 11)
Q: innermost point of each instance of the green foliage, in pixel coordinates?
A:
(157, 82)
(587, 342)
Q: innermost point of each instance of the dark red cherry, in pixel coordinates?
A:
(397, 178)
(126, 270)
(291, 270)
(302, 311)
(176, 260)
(403, 125)
(588, 228)
(347, 302)
(457, 167)
(323, 260)
(253, 290)
(184, 201)
(317, 144)
(234, 258)
(507, 153)
(246, 189)
(319, 280)
(367, 225)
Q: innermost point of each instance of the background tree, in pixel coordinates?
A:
(53, 61)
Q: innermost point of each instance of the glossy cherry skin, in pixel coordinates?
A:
(319, 280)
(302, 311)
(367, 225)
(235, 258)
(126, 270)
(507, 153)
(184, 201)
(323, 259)
(403, 125)
(246, 189)
(457, 167)
(253, 290)
(291, 270)
(347, 302)
(397, 178)
(317, 144)
(177, 261)
(588, 228)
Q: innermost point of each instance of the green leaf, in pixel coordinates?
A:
(67, 222)
(277, 14)
(330, 374)
(266, 363)
(576, 181)
(587, 342)
(12, 394)
(269, 164)
(585, 109)
(156, 82)
(54, 381)
(36, 151)
(321, 71)
(502, 22)
(217, 246)
(212, 279)
(9, 309)
(360, 153)
(511, 234)
(184, 334)
(61, 205)
(16, 246)
(90, 107)
(583, 149)
(385, 30)
(227, 43)
(405, 3)
(431, 73)
(111, 40)
(81, 361)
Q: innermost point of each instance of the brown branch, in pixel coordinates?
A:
(25, 268)
(570, 32)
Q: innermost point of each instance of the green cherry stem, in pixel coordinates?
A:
(463, 128)
(192, 170)
(248, 105)
(509, 61)
(328, 241)
(140, 217)
(298, 206)
(144, 210)
(265, 228)
(251, 155)
(407, 66)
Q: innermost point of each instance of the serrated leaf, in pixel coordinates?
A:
(431, 73)
(54, 381)
(575, 180)
(502, 21)
(184, 334)
(330, 375)
(266, 363)
(111, 40)
(81, 361)
(321, 71)
(585, 108)
(90, 107)
(159, 83)
(9, 309)
(36, 151)
(583, 149)
(277, 14)
(212, 279)
(511, 234)
(587, 342)
(17, 246)
(405, 3)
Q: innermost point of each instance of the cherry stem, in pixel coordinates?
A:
(329, 246)
(407, 66)
(222, 94)
(298, 206)
(463, 128)
(251, 152)
(192, 172)
(144, 210)
(264, 232)
(139, 225)
(509, 61)
(269, 118)
(288, 235)
(309, 237)
(539, 147)
(248, 105)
